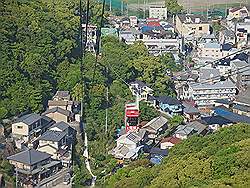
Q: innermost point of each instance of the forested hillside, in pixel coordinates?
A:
(217, 160)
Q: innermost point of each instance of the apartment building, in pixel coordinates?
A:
(205, 94)
(192, 25)
(156, 11)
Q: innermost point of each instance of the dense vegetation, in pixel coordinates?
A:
(218, 160)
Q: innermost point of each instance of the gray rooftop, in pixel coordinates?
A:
(192, 127)
(156, 123)
(244, 97)
(62, 95)
(57, 109)
(29, 157)
(189, 109)
(54, 136)
(29, 118)
(228, 33)
(61, 125)
(206, 73)
(218, 85)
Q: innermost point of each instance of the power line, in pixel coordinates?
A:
(214, 61)
(218, 77)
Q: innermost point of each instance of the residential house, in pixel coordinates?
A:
(194, 127)
(156, 11)
(214, 122)
(57, 142)
(157, 154)
(214, 50)
(190, 112)
(61, 96)
(192, 25)
(170, 105)
(227, 36)
(140, 89)
(30, 126)
(156, 126)
(33, 166)
(59, 114)
(237, 12)
(204, 94)
(129, 145)
(241, 109)
(169, 142)
(63, 100)
(231, 116)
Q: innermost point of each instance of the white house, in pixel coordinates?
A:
(141, 89)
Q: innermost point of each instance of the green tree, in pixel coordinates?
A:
(173, 7)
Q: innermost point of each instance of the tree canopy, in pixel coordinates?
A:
(173, 7)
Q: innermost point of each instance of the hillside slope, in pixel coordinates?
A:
(218, 160)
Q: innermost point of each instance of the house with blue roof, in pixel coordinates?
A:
(169, 104)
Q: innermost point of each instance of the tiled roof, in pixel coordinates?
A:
(57, 109)
(168, 100)
(29, 157)
(171, 139)
(61, 125)
(156, 123)
(29, 118)
(54, 136)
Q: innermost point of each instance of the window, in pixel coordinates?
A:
(200, 28)
(19, 127)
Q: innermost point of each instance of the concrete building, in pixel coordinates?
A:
(205, 94)
(192, 25)
(241, 73)
(156, 11)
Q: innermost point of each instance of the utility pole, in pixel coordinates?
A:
(110, 5)
(122, 7)
(16, 178)
(107, 104)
